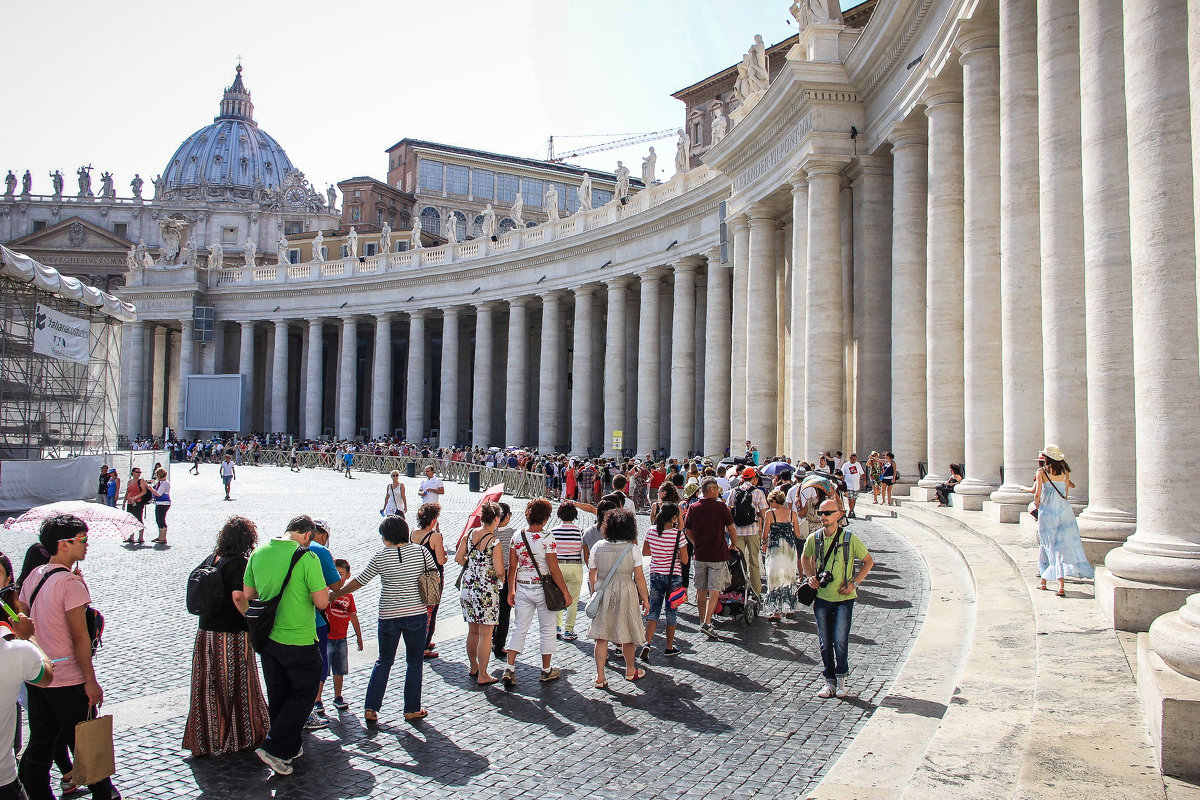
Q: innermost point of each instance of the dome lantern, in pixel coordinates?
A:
(236, 102)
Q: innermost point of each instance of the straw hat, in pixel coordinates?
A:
(1053, 452)
(691, 488)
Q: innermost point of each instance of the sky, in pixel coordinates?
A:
(119, 85)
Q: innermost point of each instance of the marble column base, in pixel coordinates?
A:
(1104, 531)
(1133, 605)
(931, 480)
(1007, 513)
(967, 502)
(1171, 704)
(922, 494)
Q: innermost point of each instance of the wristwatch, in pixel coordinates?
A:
(856, 584)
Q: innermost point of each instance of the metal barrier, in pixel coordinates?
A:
(517, 482)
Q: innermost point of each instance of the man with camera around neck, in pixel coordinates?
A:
(828, 561)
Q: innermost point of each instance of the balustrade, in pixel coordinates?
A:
(333, 268)
(266, 274)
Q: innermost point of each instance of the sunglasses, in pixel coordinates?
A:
(828, 513)
(79, 538)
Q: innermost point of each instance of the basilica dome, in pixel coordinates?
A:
(232, 152)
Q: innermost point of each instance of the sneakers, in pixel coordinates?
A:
(340, 704)
(315, 723)
(319, 708)
(842, 690)
(67, 787)
(299, 753)
(277, 765)
(827, 691)
(551, 674)
(672, 651)
(508, 678)
(570, 636)
(708, 630)
(644, 653)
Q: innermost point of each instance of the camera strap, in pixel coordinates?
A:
(828, 553)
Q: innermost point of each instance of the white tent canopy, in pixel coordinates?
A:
(21, 267)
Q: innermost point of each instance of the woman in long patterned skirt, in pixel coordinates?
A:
(227, 713)
(781, 531)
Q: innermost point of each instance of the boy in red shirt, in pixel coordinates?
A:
(342, 613)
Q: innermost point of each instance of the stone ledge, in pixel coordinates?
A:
(1007, 513)
(1171, 703)
(921, 495)
(967, 502)
(1132, 605)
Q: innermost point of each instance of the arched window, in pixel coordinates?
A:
(506, 225)
(431, 220)
(477, 227)
(461, 226)
(405, 221)
(531, 224)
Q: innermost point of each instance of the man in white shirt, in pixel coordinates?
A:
(852, 471)
(432, 488)
(20, 661)
(228, 473)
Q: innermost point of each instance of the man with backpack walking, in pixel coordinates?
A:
(747, 503)
(287, 576)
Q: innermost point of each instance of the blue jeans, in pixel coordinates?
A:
(833, 630)
(412, 629)
(660, 587)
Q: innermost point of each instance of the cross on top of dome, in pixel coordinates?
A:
(236, 102)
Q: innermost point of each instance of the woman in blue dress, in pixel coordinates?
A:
(1061, 553)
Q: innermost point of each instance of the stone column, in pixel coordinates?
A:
(136, 416)
(614, 363)
(279, 378)
(1020, 281)
(415, 418)
(982, 389)
(551, 345)
(1153, 571)
(741, 273)
(872, 217)
(348, 379)
(448, 411)
(481, 424)
(381, 378)
(761, 332)
(717, 349)
(683, 359)
(796, 445)
(187, 366)
(314, 395)
(944, 283)
(246, 368)
(823, 365)
(909, 228)
(158, 380)
(649, 364)
(581, 371)
(1112, 497)
(516, 409)
(1060, 169)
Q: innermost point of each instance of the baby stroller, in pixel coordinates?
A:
(738, 600)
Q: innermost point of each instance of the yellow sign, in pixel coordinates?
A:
(618, 440)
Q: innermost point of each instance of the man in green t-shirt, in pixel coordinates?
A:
(291, 661)
(828, 561)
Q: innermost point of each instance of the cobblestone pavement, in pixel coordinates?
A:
(729, 718)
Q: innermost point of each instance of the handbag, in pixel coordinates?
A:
(430, 583)
(678, 595)
(94, 754)
(805, 593)
(555, 599)
(593, 604)
(260, 616)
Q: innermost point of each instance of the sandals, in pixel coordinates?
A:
(637, 676)
(371, 716)
(601, 684)
(551, 674)
(508, 678)
(431, 654)
(473, 673)
(1061, 593)
(416, 715)
(487, 682)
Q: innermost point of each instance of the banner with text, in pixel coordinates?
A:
(60, 335)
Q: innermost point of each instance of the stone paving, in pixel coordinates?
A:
(729, 718)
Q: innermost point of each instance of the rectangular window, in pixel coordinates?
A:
(292, 227)
(482, 184)
(369, 249)
(563, 192)
(572, 196)
(532, 191)
(229, 235)
(457, 180)
(379, 217)
(356, 193)
(506, 189)
(429, 175)
(293, 256)
(39, 225)
(355, 214)
(120, 229)
(600, 197)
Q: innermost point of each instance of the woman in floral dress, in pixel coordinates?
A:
(781, 528)
(482, 577)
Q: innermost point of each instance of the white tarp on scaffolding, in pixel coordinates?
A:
(25, 484)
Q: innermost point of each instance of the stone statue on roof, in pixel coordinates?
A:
(622, 188)
(518, 211)
(683, 153)
(317, 245)
(414, 237)
(85, 181)
(332, 193)
(815, 12)
(106, 185)
(720, 124)
(451, 228)
(216, 255)
(352, 242)
(27, 183)
(131, 259)
(385, 239)
(585, 193)
(10, 184)
(281, 249)
(56, 180)
(489, 221)
(649, 167)
(250, 251)
(551, 201)
(136, 185)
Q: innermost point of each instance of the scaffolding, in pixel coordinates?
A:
(50, 407)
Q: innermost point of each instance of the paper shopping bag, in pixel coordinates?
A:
(94, 759)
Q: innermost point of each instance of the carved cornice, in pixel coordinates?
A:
(915, 18)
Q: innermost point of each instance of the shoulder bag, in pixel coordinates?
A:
(593, 604)
(805, 593)
(678, 595)
(94, 619)
(260, 616)
(555, 599)
(430, 582)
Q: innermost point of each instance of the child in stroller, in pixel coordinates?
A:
(739, 600)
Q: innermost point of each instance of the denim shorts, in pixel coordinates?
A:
(323, 646)
(660, 587)
(339, 657)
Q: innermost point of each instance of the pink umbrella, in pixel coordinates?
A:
(491, 495)
(101, 520)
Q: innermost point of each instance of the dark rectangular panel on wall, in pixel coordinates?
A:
(724, 233)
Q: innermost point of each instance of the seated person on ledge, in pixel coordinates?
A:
(944, 489)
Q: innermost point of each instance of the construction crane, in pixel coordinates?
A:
(629, 138)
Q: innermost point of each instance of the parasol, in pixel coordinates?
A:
(490, 495)
(101, 520)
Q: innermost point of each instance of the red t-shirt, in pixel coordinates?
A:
(707, 520)
(339, 616)
(657, 478)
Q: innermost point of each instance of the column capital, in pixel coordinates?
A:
(349, 318)
(554, 296)
(246, 323)
(739, 222)
(798, 181)
(868, 166)
(618, 283)
(713, 256)
(820, 165)
(686, 264)
(586, 290)
(487, 306)
(652, 274)
(943, 93)
(452, 311)
(909, 133)
(520, 302)
(282, 323)
(384, 315)
(758, 212)
(418, 313)
(977, 38)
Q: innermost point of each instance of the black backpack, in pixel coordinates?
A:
(205, 588)
(743, 507)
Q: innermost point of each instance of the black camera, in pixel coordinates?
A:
(824, 578)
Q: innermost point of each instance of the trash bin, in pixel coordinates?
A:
(411, 469)
(473, 479)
